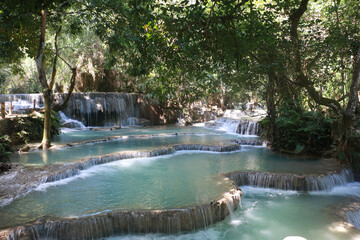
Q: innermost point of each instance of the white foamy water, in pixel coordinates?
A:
(350, 189)
(268, 192)
(69, 121)
(83, 174)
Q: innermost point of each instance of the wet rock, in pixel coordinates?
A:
(250, 142)
(24, 149)
(4, 167)
(71, 125)
(188, 124)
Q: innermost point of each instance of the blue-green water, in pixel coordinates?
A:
(72, 154)
(183, 179)
(269, 214)
(70, 135)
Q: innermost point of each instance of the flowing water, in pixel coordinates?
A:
(72, 154)
(184, 179)
(270, 214)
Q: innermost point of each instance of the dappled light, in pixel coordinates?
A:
(191, 119)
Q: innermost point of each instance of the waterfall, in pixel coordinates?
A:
(114, 223)
(248, 128)
(353, 217)
(92, 109)
(296, 182)
(108, 109)
(213, 148)
(70, 123)
(242, 127)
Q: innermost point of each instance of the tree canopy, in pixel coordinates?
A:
(301, 55)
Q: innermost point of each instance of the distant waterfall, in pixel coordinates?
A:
(243, 127)
(23, 103)
(104, 109)
(92, 109)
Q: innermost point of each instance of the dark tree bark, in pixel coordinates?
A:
(62, 106)
(271, 108)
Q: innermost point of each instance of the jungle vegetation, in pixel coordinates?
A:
(300, 58)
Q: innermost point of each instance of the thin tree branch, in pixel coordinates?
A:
(55, 59)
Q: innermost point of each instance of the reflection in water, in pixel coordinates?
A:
(44, 155)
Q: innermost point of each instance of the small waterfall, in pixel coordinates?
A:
(109, 224)
(296, 182)
(248, 128)
(229, 125)
(353, 217)
(212, 148)
(70, 123)
(242, 127)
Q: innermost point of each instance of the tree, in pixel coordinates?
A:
(288, 47)
(32, 21)
(23, 18)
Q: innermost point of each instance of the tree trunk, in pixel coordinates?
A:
(3, 110)
(271, 110)
(46, 141)
(45, 144)
(62, 106)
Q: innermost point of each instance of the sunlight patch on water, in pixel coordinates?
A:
(294, 238)
(236, 222)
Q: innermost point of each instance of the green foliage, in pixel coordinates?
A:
(350, 153)
(27, 129)
(301, 131)
(4, 148)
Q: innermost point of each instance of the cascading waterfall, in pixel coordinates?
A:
(292, 181)
(114, 223)
(229, 125)
(92, 109)
(107, 109)
(248, 128)
(33, 177)
(242, 127)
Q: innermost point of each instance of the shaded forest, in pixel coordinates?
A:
(299, 59)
